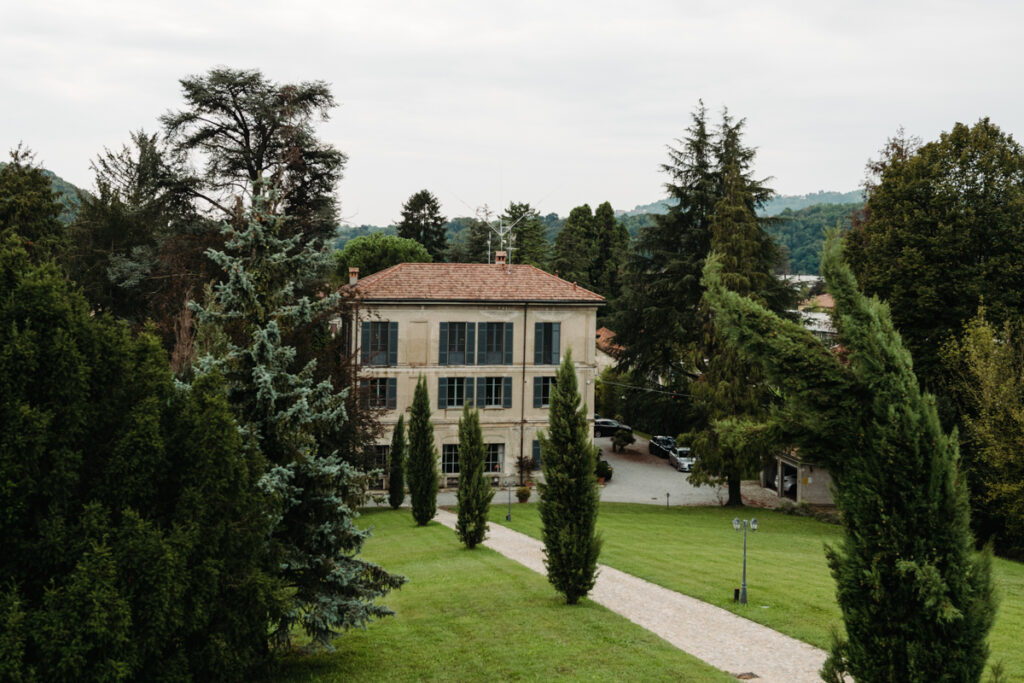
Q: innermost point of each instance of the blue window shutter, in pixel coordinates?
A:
(537, 402)
(481, 391)
(364, 346)
(538, 343)
(364, 392)
(442, 357)
(481, 346)
(442, 392)
(392, 393)
(393, 343)
(468, 383)
(470, 342)
(506, 392)
(536, 454)
(508, 344)
(555, 343)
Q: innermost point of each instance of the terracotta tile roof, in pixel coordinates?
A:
(606, 342)
(469, 282)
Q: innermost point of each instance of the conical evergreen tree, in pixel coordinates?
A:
(396, 470)
(916, 599)
(421, 467)
(574, 247)
(474, 493)
(569, 497)
(531, 244)
(611, 248)
(422, 221)
(314, 545)
(657, 320)
(727, 386)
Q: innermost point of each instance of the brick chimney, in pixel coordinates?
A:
(353, 275)
(499, 258)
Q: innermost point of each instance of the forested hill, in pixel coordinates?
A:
(773, 207)
(802, 232)
(67, 195)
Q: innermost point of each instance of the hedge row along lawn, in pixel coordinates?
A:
(695, 551)
(475, 615)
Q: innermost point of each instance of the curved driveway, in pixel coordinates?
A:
(643, 478)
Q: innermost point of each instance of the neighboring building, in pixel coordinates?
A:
(490, 335)
(607, 350)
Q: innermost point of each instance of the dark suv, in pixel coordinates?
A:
(661, 446)
(606, 427)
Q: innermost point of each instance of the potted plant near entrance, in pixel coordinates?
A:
(523, 493)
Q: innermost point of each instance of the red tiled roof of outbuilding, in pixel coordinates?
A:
(470, 282)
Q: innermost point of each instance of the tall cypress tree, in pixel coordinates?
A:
(396, 470)
(421, 468)
(569, 497)
(474, 493)
(916, 599)
(285, 415)
(611, 249)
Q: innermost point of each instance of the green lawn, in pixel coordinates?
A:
(694, 550)
(475, 615)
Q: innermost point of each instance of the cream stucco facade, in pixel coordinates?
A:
(461, 348)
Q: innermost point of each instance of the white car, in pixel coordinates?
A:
(682, 459)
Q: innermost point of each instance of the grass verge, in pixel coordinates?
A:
(694, 550)
(475, 615)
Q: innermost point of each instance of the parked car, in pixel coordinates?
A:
(661, 446)
(607, 427)
(682, 459)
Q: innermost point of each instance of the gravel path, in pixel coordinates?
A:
(720, 638)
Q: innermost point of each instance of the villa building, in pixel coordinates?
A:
(487, 335)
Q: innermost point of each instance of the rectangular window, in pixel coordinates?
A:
(450, 458)
(536, 455)
(494, 392)
(457, 344)
(495, 457)
(379, 343)
(542, 391)
(495, 344)
(379, 392)
(380, 457)
(454, 392)
(546, 343)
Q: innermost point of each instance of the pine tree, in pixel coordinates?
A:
(531, 245)
(657, 320)
(422, 221)
(284, 413)
(421, 468)
(29, 207)
(916, 600)
(569, 496)
(727, 386)
(574, 247)
(474, 493)
(396, 470)
(611, 249)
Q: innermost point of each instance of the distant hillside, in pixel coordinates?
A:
(802, 232)
(67, 195)
(774, 207)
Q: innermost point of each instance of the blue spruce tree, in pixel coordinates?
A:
(313, 542)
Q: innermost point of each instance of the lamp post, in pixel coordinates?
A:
(737, 524)
(508, 486)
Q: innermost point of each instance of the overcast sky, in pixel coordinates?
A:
(555, 103)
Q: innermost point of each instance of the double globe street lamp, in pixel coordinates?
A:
(737, 524)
